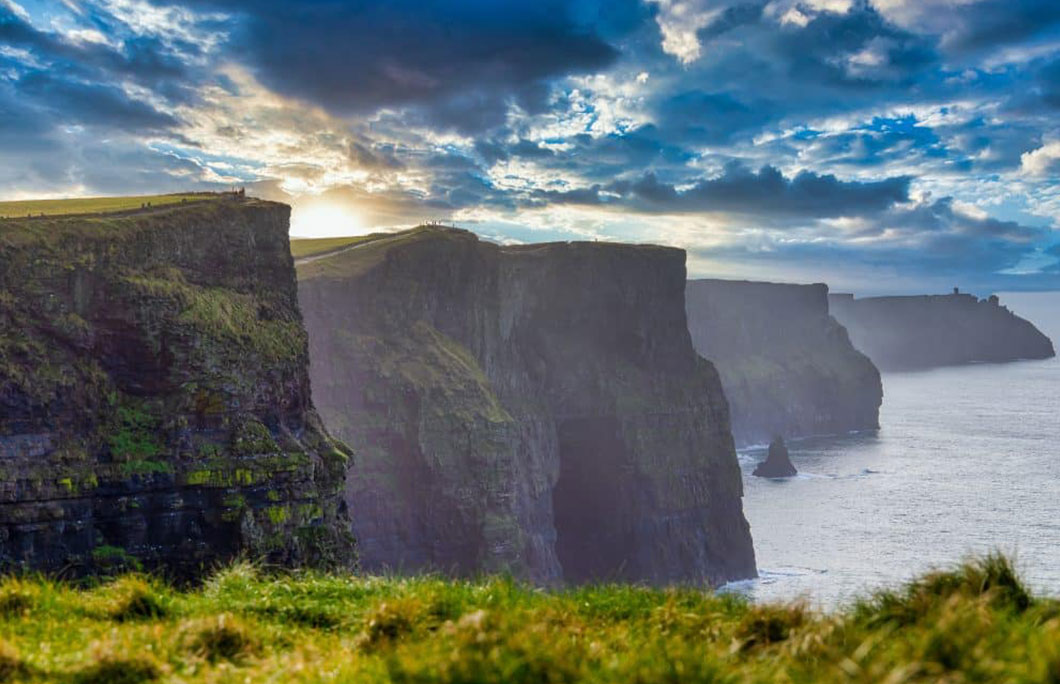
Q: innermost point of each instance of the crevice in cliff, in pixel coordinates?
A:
(568, 428)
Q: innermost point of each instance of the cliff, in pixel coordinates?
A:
(788, 368)
(907, 333)
(533, 409)
(154, 394)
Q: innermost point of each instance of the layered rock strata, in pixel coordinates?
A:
(154, 395)
(535, 409)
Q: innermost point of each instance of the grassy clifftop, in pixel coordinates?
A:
(95, 205)
(975, 623)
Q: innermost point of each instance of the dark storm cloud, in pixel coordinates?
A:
(939, 217)
(461, 60)
(732, 17)
(807, 196)
(825, 49)
(998, 22)
(703, 117)
(1047, 84)
(90, 103)
(583, 196)
(768, 192)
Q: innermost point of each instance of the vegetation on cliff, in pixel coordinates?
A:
(306, 247)
(94, 205)
(154, 392)
(535, 409)
(975, 623)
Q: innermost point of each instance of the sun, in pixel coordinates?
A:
(324, 219)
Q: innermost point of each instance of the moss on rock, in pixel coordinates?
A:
(153, 375)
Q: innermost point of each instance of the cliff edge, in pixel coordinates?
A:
(909, 333)
(534, 409)
(154, 394)
(788, 367)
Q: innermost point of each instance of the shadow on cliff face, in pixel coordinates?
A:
(590, 502)
(561, 425)
(787, 366)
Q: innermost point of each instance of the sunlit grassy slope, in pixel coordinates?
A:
(976, 623)
(303, 247)
(93, 205)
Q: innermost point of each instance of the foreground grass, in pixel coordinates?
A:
(974, 624)
(92, 205)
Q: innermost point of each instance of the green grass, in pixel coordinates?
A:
(93, 205)
(974, 624)
(304, 247)
(353, 263)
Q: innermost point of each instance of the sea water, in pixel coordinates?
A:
(966, 461)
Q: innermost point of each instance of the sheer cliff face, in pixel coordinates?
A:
(535, 409)
(908, 333)
(787, 366)
(154, 394)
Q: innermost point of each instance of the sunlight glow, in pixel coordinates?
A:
(323, 219)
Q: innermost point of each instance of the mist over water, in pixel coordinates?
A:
(967, 460)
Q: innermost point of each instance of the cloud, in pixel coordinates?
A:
(91, 104)
(703, 117)
(680, 22)
(768, 192)
(898, 135)
(457, 60)
(992, 23)
(1042, 162)
(908, 248)
(854, 48)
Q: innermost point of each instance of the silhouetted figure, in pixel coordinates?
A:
(956, 290)
(777, 463)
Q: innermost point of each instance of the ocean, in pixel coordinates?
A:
(966, 461)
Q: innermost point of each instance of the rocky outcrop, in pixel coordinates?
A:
(909, 333)
(778, 462)
(534, 409)
(154, 395)
(787, 366)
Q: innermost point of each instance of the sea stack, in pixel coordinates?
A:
(535, 409)
(777, 463)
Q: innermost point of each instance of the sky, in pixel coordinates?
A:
(882, 146)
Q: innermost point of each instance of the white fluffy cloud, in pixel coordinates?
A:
(680, 22)
(1044, 161)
